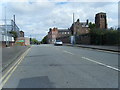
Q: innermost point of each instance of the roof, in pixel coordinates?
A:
(63, 30)
(100, 13)
(84, 24)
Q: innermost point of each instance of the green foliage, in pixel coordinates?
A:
(14, 34)
(44, 40)
(105, 37)
(92, 25)
(34, 41)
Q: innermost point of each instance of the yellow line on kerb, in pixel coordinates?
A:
(12, 69)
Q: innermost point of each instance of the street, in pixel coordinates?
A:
(49, 66)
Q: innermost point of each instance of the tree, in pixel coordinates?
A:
(14, 34)
(91, 25)
(34, 41)
(44, 40)
(104, 37)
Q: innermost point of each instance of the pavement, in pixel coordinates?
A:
(10, 54)
(99, 47)
(49, 66)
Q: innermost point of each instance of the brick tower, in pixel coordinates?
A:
(101, 21)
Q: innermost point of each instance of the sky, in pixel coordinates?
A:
(35, 17)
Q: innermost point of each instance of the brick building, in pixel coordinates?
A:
(52, 35)
(63, 32)
(56, 33)
(23, 41)
(78, 28)
(101, 20)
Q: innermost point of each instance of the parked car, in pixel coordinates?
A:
(58, 42)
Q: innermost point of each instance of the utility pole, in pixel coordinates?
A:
(13, 22)
(54, 40)
(6, 29)
(73, 34)
(73, 25)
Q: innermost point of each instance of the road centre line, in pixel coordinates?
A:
(101, 64)
(108, 66)
(68, 52)
(12, 69)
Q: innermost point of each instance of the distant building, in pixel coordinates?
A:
(6, 39)
(63, 32)
(78, 28)
(101, 20)
(23, 41)
(10, 26)
(6, 28)
(56, 33)
(21, 34)
(80, 31)
(52, 35)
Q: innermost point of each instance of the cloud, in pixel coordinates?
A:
(36, 17)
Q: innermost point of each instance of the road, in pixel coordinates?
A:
(12, 53)
(49, 66)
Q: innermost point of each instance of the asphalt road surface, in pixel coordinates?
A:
(9, 54)
(49, 66)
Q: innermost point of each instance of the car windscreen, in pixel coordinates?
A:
(58, 41)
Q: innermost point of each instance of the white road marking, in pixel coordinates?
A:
(68, 52)
(108, 66)
(12, 69)
(101, 64)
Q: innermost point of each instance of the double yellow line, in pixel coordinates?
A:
(7, 75)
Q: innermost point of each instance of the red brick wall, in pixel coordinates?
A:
(64, 39)
(52, 35)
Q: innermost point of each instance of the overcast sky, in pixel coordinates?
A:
(35, 18)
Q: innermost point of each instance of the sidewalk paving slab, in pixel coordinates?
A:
(99, 47)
